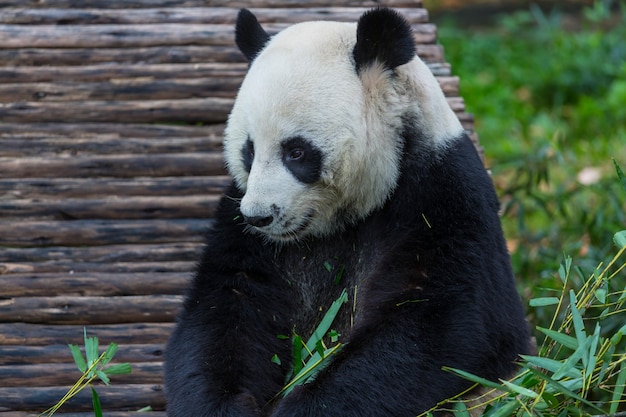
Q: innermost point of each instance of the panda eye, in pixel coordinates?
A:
(296, 154)
(303, 159)
(247, 155)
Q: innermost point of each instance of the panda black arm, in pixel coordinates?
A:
(219, 358)
(392, 367)
(442, 294)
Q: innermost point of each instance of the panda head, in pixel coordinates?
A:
(317, 136)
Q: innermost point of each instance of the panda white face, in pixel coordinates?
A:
(314, 140)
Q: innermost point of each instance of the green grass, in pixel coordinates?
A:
(550, 108)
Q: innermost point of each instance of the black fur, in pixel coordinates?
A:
(434, 288)
(383, 35)
(250, 37)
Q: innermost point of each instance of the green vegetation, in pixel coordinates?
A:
(580, 369)
(549, 95)
(550, 106)
(93, 367)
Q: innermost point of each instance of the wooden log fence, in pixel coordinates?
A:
(111, 121)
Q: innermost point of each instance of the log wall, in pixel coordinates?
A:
(111, 119)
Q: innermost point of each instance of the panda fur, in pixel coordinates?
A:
(345, 154)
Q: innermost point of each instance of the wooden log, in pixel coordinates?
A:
(113, 36)
(153, 55)
(90, 310)
(111, 253)
(132, 396)
(197, 15)
(143, 89)
(115, 71)
(112, 207)
(67, 373)
(70, 266)
(121, 90)
(29, 188)
(467, 119)
(101, 232)
(28, 355)
(122, 130)
(457, 104)
(103, 145)
(150, 55)
(198, 110)
(93, 284)
(116, 166)
(145, 35)
(136, 4)
(39, 334)
(67, 188)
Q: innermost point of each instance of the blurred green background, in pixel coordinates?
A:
(547, 85)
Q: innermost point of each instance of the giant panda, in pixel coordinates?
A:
(350, 171)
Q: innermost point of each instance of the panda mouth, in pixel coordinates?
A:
(294, 233)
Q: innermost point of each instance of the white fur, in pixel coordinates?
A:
(304, 84)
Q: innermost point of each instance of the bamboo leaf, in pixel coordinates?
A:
(326, 322)
(297, 353)
(91, 348)
(579, 326)
(460, 410)
(551, 365)
(476, 379)
(616, 399)
(564, 269)
(103, 376)
(564, 390)
(619, 239)
(571, 362)
(319, 347)
(550, 399)
(562, 339)
(573, 384)
(109, 353)
(520, 390)
(593, 345)
(78, 358)
(97, 407)
(543, 301)
(339, 275)
(316, 363)
(506, 410)
(119, 369)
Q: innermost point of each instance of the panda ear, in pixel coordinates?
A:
(383, 36)
(250, 37)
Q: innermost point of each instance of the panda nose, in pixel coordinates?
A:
(258, 221)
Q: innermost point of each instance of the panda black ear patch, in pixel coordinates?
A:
(250, 37)
(383, 36)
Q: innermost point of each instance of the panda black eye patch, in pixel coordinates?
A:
(302, 159)
(247, 154)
